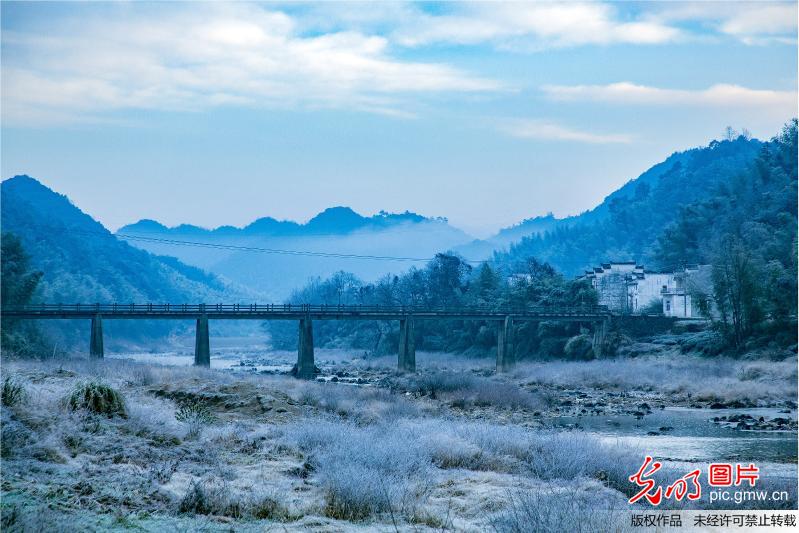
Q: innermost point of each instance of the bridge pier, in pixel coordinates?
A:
(202, 346)
(96, 342)
(305, 356)
(406, 356)
(598, 343)
(505, 354)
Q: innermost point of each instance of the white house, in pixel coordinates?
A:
(626, 287)
(690, 293)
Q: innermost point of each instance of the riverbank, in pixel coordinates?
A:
(450, 447)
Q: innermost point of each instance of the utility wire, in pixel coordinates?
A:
(221, 246)
(280, 251)
(233, 247)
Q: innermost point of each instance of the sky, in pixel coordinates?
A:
(484, 113)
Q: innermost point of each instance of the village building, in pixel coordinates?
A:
(690, 295)
(628, 288)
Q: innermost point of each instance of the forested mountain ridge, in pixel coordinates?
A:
(626, 225)
(747, 231)
(81, 261)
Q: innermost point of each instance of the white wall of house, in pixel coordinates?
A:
(677, 304)
(625, 287)
(610, 281)
(644, 291)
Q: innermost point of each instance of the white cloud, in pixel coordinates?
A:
(721, 95)
(754, 23)
(184, 59)
(334, 55)
(531, 26)
(762, 23)
(551, 131)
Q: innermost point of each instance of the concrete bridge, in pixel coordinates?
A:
(305, 314)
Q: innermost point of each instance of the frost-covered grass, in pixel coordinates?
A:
(400, 453)
(390, 468)
(696, 378)
(365, 470)
(364, 404)
(584, 506)
(463, 389)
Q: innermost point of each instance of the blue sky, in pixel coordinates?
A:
(486, 113)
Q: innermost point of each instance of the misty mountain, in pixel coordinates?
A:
(627, 224)
(334, 220)
(283, 255)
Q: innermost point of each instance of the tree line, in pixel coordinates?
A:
(449, 281)
(747, 231)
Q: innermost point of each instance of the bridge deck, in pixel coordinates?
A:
(300, 311)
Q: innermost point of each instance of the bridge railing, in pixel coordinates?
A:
(170, 308)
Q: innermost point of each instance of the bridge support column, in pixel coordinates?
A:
(598, 344)
(505, 345)
(406, 356)
(305, 356)
(202, 346)
(96, 342)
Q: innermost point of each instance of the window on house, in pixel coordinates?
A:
(668, 306)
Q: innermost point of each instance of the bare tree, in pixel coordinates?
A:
(343, 283)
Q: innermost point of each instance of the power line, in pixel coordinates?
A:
(233, 247)
(280, 251)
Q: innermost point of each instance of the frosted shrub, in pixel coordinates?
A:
(196, 415)
(267, 507)
(450, 451)
(98, 398)
(214, 497)
(463, 390)
(14, 392)
(504, 395)
(210, 497)
(436, 382)
(579, 348)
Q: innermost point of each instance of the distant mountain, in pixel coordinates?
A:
(485, 248)
(290, 252)
(333, 220)
(525, 228)
(627, 224)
